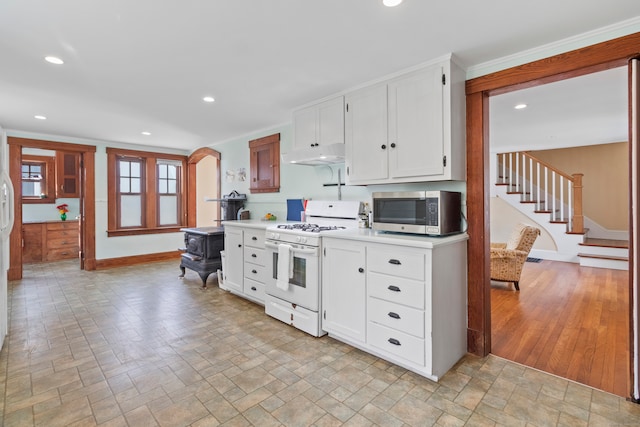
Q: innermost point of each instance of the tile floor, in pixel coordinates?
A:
(137, 346)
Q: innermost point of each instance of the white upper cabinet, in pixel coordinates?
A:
(366, 135)
(319, 124)
(407, 129)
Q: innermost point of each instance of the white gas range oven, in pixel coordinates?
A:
(294, 262)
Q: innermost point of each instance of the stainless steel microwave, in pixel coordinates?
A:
(436, 213)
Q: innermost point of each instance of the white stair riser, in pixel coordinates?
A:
(604, 263)
(601, 250)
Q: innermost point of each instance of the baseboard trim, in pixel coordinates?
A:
(103, 264)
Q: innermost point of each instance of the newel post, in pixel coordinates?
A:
(578, 218)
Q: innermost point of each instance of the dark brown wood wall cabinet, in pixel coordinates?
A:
(67, 174)
(264, 160)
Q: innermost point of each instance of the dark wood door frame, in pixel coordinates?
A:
(598, 57)
(87, 180)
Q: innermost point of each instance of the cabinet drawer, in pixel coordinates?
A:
(62, 225)
(254, 238)
(397, 343)
(254, 255)
(254, 289)
(64, 253)
(395, 289)
(57, 234)
(396, 316)
(397, 261)
(255, 272)
(62, 242)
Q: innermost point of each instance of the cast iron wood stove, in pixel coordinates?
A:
(202, 251)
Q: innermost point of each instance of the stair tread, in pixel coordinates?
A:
(613, 258)
(606, 243)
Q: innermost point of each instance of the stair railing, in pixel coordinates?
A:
(551, 190)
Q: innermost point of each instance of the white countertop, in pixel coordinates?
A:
(362, 234)
(416, 240)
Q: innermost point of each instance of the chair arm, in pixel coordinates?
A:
(498, 245)
(507, 253)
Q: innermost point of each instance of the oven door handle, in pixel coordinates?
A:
(293, 249)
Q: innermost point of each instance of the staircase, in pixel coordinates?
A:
(553, 200)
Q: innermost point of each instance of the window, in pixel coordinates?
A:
(38, 182)
(146, 192)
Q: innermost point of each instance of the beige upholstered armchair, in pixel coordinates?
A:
(507, 259)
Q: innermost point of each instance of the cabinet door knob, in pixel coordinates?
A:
(394, 315)
(361, 270)
(393, 145)
(239, 245)
(253, 288)
(254, 255)
(254, 238)
(394, 262)
(394, 341)
(384, 147)
(254, 271)
(393, 288)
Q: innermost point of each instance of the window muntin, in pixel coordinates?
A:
(38, 179)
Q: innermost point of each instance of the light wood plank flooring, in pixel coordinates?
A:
(567, 320)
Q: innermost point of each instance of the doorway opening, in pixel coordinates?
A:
(71, 168)
(570, 316)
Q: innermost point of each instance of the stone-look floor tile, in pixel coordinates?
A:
(415, 412)
(380, 417)
(258, 416)
(141, 417)
(299, 411)
(351, 378)
(252, 379)
(335, 408)
(447, 420)
(64, 414)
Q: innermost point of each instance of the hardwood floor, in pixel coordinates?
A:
(567, 320)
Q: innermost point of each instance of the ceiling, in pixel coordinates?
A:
(586, 110)
(144, 65)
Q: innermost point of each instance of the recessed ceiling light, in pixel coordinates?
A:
(39, 117)
(54, 60)
(391, 3)
(145, 133)
(208, 99)
(520, 106)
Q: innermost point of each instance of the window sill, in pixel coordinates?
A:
(138, 231)
(38, 200)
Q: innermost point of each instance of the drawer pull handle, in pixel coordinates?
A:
(394, 315)
(361, 270)
(253, 288)
(393, 288)
(394, 341)
(239, 245)
(254, 238)
(254, 256)
(394, 262)
(254, 271)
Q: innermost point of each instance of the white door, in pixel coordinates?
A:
(344, 290)
(366, 135)
(416, 129)
(234, 259)
(6, 224)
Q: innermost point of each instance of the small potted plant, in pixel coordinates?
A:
(63, 209)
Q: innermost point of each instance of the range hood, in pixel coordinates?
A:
(321, 155)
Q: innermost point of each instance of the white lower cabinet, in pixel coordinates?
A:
(405, 303)
(344, 289)
(246, 265)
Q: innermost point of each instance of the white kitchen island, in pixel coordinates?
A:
(400, 297)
